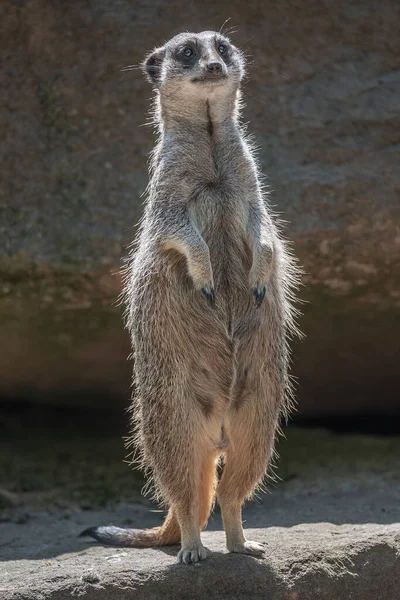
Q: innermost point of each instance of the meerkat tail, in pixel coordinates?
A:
(166, 535)
(117, 536)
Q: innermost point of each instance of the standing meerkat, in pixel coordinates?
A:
(208, 291)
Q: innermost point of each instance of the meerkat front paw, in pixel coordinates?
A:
(259, 294)
(209, 293)
(188, 555)
(247, 547)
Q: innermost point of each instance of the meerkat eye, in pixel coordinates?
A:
(222, 48)
(188, 52)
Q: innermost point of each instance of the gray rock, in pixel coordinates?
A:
(323, 98)
(331, 525)
(306, 561)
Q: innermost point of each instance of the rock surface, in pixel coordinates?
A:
(304, 562)
(330, 522)
(323, 99)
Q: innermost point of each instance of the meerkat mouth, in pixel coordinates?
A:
(213, 79)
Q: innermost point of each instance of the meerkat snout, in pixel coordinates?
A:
(214, 67)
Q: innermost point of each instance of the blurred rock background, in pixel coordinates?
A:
(323, 99)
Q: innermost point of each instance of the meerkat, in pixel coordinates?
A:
(209, 292)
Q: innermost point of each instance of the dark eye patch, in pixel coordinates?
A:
(187, 54)
(223, 49)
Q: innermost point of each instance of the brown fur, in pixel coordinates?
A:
(210, 372)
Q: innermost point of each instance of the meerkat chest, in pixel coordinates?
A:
(223, 194)
(217, 178)
(219, 208)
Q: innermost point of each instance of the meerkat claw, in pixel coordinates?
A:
(253, 548)
(209, 293)
(189, 556)
(259, 294)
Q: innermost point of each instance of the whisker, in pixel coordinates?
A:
(232, 30)
(123, 78)
(131, 67)
(252, 65)
(223, 24)
(255, 98)
(249, 40)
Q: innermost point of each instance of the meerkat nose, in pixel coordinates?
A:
(214, 67)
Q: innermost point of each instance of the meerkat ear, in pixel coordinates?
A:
(152, 65)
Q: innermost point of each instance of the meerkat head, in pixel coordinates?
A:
(195, 66)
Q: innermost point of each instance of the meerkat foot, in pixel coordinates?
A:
(252, 548)
(209, 293)
(259, 294)
(188, 555)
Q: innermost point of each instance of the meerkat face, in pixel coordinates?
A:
(195, 62)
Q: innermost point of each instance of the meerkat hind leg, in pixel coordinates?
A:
(231, 509)
(187, 511)
(208, 484)
(187, 502)
(192, 549)
(246, 463)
